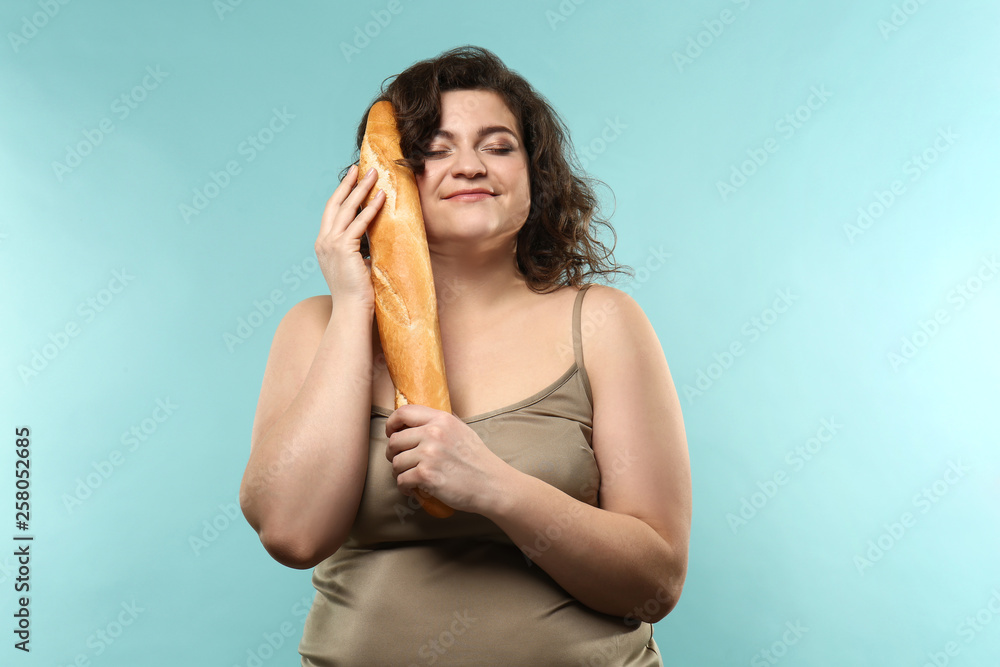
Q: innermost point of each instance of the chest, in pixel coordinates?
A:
(496, 366)
(549, 439)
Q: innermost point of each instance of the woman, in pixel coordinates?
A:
(571, 486)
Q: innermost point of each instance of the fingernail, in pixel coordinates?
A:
(370, 172)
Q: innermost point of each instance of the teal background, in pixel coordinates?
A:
(681, 128)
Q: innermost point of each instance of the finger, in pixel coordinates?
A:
(406, 416)
(419, 478)
(363, 219)
(335, 201)
(336, 218)
(360, 192)
(403, 462)
(402, 441)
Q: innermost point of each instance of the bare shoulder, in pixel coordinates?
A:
(611, 321)
(609, 297)
(292, 350)
(310, 309)
(298, 336)
(623, 355)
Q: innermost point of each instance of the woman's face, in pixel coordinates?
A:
(478, 147)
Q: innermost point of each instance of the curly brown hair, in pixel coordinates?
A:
(556, 246)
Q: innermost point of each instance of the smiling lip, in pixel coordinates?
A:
(470, 195)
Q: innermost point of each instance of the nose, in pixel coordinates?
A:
(467, 163)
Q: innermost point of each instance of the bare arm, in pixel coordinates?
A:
(629, 556)
(309, 448)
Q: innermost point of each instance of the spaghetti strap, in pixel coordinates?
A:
(578, 339)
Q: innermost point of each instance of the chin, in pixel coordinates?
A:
(467, 227)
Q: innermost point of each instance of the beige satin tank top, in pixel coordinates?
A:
(409, 589)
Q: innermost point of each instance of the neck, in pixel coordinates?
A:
(469, 283)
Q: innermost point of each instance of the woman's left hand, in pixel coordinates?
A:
(441, 455)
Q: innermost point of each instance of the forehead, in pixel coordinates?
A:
(462, 109)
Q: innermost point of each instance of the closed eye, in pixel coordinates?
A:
(500, 150)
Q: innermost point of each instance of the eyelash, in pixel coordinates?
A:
(502, 150)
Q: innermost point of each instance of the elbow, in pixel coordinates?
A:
(667, 599)
(287, 545)
(293, 551)
(656, 607)
(666, 587)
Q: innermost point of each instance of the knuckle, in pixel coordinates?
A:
(430, 449)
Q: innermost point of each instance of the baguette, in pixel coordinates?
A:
(405, 301)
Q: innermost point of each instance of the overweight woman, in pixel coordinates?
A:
(565, 456)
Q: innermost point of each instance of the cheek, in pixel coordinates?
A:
(525, 190)
(425, 189)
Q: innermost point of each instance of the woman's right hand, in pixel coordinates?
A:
(338, 246)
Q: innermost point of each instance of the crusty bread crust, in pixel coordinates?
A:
(405, 302)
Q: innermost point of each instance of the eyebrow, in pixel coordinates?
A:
(483, 131)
